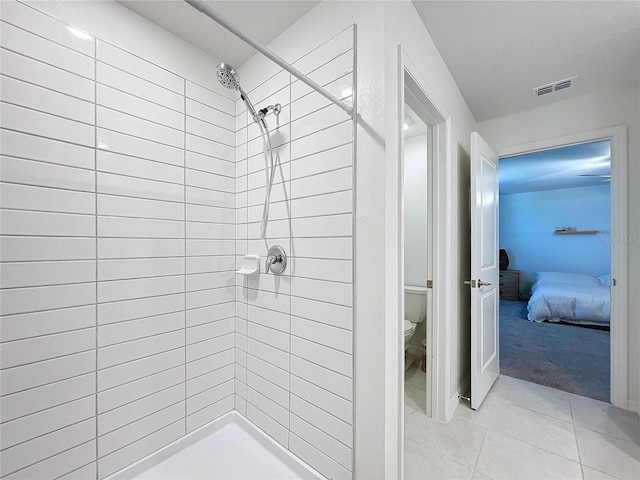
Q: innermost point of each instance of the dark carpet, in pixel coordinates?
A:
(563, 356)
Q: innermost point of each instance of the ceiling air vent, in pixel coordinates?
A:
(554, 87)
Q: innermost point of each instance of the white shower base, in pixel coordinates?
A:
(230, 447)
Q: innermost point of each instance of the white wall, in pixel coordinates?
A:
(294, 332)
(590, 112)
(118, 240)
(415, 210)
(528, 221)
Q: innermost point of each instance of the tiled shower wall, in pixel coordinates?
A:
(117, 250)
(294, 364)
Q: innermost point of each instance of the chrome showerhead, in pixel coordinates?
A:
(227, 76)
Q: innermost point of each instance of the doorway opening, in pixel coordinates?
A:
(423, 130)
(555, 267)
(617, 240)
(417, 261)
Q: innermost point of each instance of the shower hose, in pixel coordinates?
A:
(269, 170)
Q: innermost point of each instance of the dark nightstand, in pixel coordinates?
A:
(510, 284)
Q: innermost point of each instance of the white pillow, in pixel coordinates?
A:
(563, 277)
(605, 280)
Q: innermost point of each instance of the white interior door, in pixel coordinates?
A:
(485, 348)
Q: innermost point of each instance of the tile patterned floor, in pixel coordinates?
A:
(522, 431)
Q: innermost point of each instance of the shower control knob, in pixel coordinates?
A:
(276, 260)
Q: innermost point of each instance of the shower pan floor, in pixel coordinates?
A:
(229, 448)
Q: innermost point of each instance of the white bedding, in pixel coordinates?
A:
(566, 302)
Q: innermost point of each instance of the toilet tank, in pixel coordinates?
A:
(415, 303)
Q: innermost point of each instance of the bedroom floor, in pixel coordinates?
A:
(567, 357)
(521, 431)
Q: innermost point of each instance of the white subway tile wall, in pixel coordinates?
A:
(129, 196)
(293, 332)
(118, 252)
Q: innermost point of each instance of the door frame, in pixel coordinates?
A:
(437, 328)
(619, 207)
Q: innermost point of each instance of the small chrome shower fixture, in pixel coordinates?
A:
(229, 78)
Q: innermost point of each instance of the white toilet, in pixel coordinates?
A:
(415, 310)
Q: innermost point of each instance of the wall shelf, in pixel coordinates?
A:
(576, 232)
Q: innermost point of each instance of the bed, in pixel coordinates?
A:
(570, 297)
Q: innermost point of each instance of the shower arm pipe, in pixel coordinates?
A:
(202, 7)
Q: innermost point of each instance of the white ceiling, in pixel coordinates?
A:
(498, 51)
(557, 168)
(262, 20)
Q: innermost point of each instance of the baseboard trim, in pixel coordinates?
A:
(463, 387)
(633, 406)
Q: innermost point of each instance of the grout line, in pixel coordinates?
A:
(184, 166)
(143, 357)
(24, 390)
(138, 379)
(208, 389)
(47, 88)
(147, 336)
(93, 461)
(230, 364)
(144, 436)
(57, 67)
(325, 85)
(35, 412)
(320, 386)
(50, 457)
(49, 163)
(31, 32)
(37, 135)
(575, 436)
(45, 112)
(319, 408)
(309, 422)
(137, 117)
(114, 86)
(66, 425)
(210, 404)
(475, 465)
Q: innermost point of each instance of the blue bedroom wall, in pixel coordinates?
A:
(527, 225)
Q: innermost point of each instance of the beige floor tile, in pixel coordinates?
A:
(459, 439)
(479, 476)
(591, 474)
(605, 418)
(503, 457)
(545, 400)
(607, 454)
(528, 426)
(424, 464)
(415, 388)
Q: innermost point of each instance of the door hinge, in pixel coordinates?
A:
(613, 282)
(429, 283)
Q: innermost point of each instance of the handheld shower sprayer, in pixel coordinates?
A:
(229, 78)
